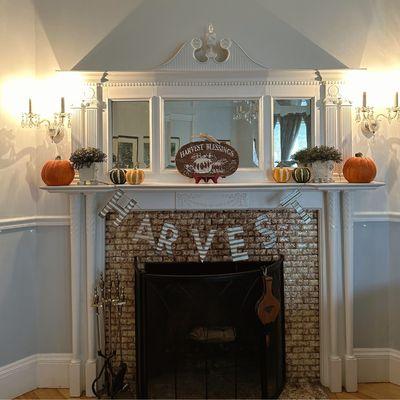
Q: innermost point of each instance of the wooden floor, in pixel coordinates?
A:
(365, 391)
(371, 391)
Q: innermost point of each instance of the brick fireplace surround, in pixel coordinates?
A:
(297, 241)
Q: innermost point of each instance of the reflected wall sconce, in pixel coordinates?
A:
(56, 128)
(370, 122)
(246, 110)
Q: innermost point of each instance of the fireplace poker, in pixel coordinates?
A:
(118, 380)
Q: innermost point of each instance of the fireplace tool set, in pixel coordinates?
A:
(108, 301)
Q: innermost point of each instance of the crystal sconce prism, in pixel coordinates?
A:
(56, 128)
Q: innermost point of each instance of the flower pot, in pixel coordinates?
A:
(87, 174)
(322, 171)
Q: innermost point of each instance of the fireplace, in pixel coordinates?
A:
(210, 330)
(316, 267)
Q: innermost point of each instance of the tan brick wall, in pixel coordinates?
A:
(298, 242)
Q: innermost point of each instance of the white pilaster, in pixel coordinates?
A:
(335, 362)
(90, 367)
(75, 232)
(350, 362)
(77, 128)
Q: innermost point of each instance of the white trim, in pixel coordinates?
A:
(52, 370)
(37, 370)
(30, 222)
(18, 377)
(376, 216)
(378, 365)
(223, 186)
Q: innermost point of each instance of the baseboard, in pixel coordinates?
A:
(394, 368)
(38, 370)
(18, 377)
(53, 370)
(378, 365)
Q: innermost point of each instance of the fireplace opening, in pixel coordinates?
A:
(210, 330)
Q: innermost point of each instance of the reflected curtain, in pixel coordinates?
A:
(276, 119)
(307, 121)
(290, 125)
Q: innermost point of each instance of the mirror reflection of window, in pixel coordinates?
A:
(292, 128)
(234, 122)
(130, 134)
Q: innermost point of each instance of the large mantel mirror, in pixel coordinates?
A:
(130, 131)
(292, 128)
(235, 122)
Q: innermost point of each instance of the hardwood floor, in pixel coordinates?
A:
(365, 391)
(46, 394)
(371, 391)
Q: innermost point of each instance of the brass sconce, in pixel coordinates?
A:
(56, 129)
(369, 122)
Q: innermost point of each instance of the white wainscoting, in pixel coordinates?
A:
(50, 370)
(378, 365)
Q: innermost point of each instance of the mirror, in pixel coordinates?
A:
(292, 128)
(231, 121)
(130, 130)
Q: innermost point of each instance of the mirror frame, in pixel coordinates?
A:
(178, 86)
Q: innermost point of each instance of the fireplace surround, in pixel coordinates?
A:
(296, 241)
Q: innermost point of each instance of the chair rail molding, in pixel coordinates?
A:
(376, 216)
(31, 222)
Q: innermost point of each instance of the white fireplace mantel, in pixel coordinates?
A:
(222, 186)
(332, 200)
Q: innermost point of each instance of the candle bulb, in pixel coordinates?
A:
(396, 100)
(62, 105)
(364, 99)
(30, 106)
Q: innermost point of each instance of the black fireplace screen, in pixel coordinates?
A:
(210, 330)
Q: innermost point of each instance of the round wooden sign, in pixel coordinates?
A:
(206, 159)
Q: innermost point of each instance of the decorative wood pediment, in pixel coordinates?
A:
(211, 54)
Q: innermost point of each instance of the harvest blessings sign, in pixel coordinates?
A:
(207, 159)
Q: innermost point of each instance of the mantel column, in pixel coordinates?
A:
(91, 215)
(350, 362)
(334, 264)
(76, 267)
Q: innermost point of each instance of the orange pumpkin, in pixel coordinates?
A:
(57, 172)
(281, 174)
(359, 169)
(134, 176)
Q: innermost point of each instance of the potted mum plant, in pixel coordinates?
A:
(84, 160)
(322, 160)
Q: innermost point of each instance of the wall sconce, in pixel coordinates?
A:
(56, 129)
(370, 122)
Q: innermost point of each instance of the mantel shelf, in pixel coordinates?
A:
(178, 187)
